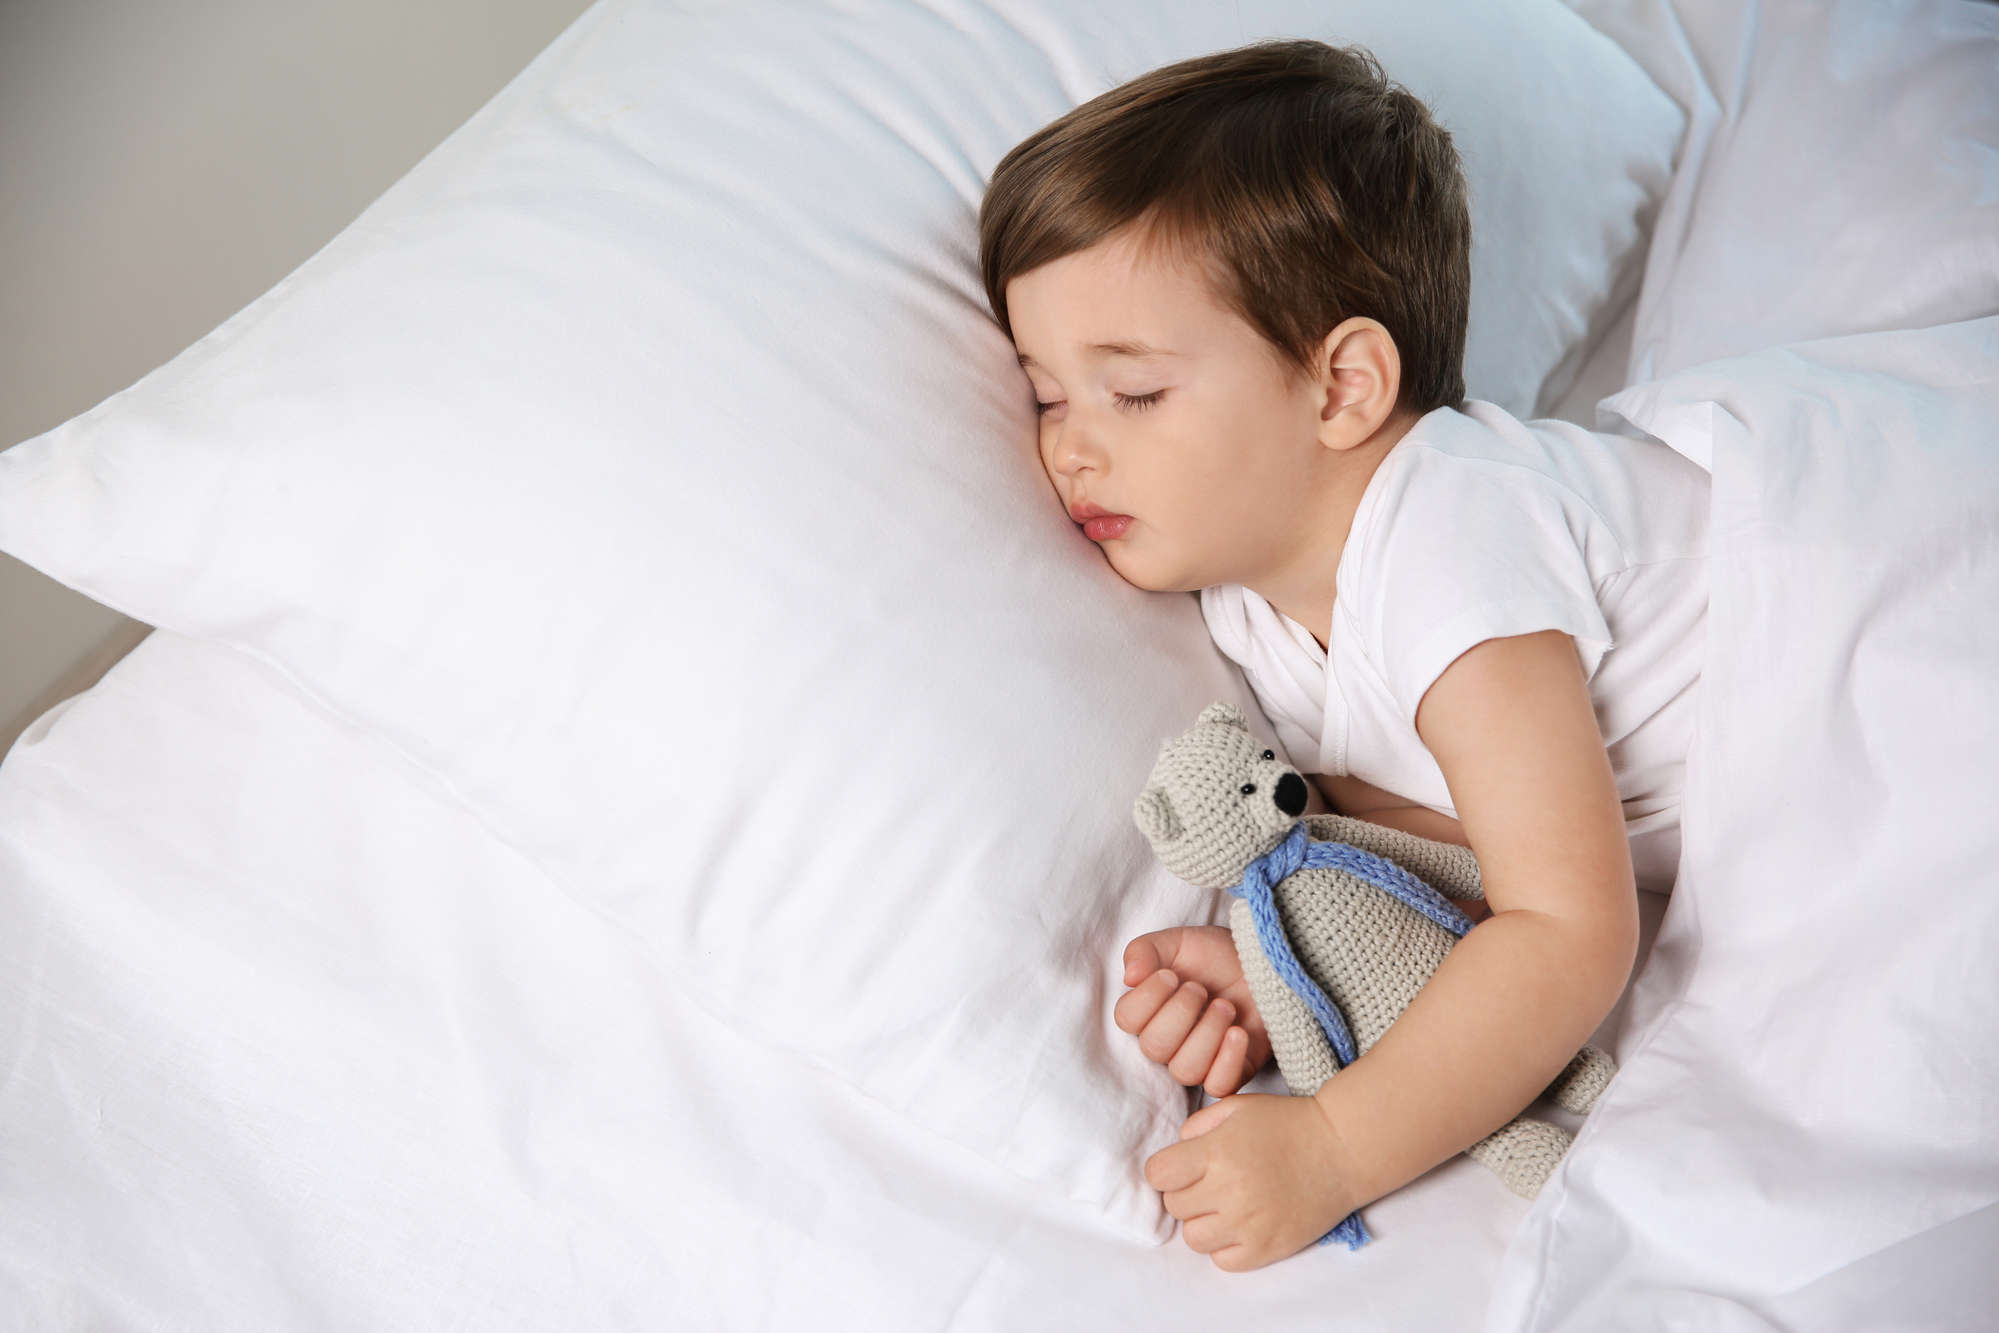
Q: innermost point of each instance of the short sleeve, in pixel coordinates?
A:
(1461, 550)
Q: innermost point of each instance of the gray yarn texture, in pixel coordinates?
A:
(1210, 807)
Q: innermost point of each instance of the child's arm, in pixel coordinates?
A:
(1513, 729)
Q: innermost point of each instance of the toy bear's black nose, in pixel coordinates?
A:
(1290, 794)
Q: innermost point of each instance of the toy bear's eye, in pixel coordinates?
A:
(1249, 789)
(1269, 754)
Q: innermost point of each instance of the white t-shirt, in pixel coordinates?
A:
(1478, 526)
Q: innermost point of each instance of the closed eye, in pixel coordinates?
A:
(1129, 402)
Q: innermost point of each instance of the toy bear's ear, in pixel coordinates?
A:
(1155, 817)
(1225, 712)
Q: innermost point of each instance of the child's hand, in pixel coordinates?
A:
(1254, 1178)
(1191, 1009)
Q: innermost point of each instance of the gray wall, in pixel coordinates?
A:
(161, 165)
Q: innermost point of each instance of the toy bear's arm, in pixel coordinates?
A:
(1448, 868)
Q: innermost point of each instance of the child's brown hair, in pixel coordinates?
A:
(1308, 187)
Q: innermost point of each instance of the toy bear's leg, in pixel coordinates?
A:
(1523, 1152)
(1303, 1054)
(1576, 1087)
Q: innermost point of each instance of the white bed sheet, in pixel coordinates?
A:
(287, 1041)
(293, 1042)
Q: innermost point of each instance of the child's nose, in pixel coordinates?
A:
(1074, 449)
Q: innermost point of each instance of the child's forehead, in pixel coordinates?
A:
(1122, 298)
(1121, 266)
(1136, 348)
(1122, 269)
(1075, 313)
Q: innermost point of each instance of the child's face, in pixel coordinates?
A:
(1214, 460)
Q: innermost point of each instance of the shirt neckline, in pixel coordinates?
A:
(1334, 716)
(1363, 516)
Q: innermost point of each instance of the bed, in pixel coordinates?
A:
(625, 819)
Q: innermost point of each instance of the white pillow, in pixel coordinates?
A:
(1839, 174)
(646, 466)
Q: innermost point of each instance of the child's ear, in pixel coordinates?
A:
(1361, 376)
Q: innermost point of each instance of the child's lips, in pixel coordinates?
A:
(1107, 527)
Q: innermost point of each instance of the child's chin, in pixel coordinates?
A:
(1140, 573)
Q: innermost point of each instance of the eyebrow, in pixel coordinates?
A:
(1120, 348)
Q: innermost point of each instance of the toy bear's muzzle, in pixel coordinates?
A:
(1290, 794)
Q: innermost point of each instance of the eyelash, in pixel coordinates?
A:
(1130, 402)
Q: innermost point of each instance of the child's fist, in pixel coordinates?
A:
(1191, 1009)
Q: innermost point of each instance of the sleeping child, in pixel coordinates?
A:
(1238, 286)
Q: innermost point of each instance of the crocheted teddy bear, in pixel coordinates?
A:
(1349, 910)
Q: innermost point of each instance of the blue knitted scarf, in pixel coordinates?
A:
(1298, 852)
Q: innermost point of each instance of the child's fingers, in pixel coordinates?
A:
(1231, 1062)
(1137, 1006)
(1148, 953)
(1164, 1033)
(1190, 1064)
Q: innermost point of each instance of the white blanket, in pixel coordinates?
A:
(1805, 1132)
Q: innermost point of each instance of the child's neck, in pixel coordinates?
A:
(1307, 584)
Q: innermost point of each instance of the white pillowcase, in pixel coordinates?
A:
(1838, 175)
(646, 466)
